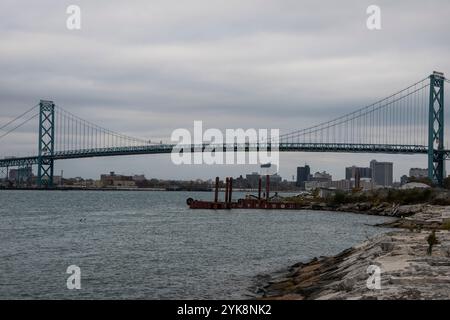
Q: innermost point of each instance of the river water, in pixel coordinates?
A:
(149, 245)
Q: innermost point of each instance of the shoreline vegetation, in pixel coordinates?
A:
(414, 259)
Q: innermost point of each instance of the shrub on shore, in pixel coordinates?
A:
(432, 240)
(379, 196)
(446, 225)
(394, 196)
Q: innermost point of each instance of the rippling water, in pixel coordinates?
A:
(149, 245)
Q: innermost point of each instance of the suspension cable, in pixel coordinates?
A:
(18, 126)
(18, 117)
(366, 109)
(101, 129)
(353, 115)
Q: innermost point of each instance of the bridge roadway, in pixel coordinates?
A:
(167, 148)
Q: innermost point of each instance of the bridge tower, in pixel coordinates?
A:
(46, 143)
(436, 169)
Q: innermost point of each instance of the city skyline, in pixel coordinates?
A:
(336, 167)
(259, 170)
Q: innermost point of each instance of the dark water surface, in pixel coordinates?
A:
(148, 245)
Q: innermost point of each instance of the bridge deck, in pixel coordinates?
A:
(168, 148)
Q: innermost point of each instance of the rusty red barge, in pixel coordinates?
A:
(250, 202)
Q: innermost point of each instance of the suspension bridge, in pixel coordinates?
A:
(410, 121)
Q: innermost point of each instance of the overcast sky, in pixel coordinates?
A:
(145, 68)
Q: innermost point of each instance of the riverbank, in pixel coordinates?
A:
(407, 270)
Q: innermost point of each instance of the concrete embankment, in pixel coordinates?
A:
(408, 271)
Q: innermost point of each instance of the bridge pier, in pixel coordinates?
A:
(436, 170)
(46, 143)
(4, 171)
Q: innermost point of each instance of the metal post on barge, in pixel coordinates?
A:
(230, 190)
(226, 190)
(259, 188)
(216, 191)
(267, 187)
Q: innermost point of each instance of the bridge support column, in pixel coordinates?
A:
(4, 171)
(46, 143)
(436, 170)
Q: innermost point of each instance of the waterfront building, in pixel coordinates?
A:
(115, 180)
(418, 173)
(341, 185)
(139, 178)
(321, 176)
(344, 185)
(366, 184)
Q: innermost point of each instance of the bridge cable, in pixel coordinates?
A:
(367, 110)
(100, 129)
(18, 126)
(18, 117)
(353, 115)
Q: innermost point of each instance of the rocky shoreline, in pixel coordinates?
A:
(407, 270)
(381, 209)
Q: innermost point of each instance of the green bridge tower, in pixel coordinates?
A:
(436, 169)
(46, 143)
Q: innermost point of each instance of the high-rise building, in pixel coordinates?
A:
(382, 173)
(253, 179)
(273, 178)
(352, 172)
(303, 175)
(21, 175)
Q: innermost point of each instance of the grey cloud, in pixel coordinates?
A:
(147, 67)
